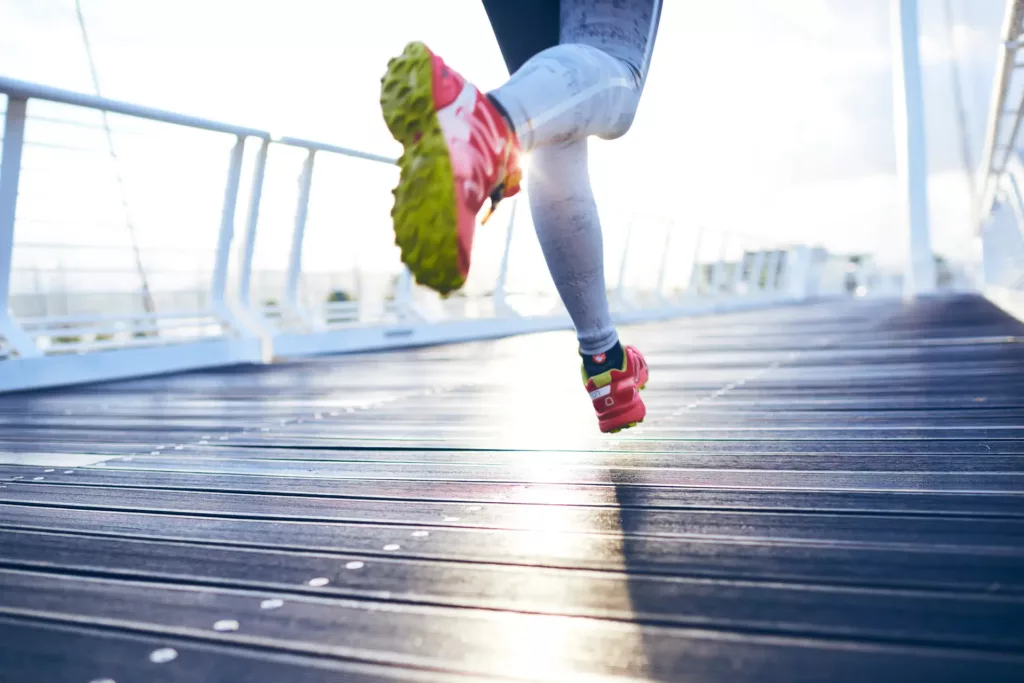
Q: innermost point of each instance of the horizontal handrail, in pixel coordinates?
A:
(148, 341)
(35, 322)
(24, 90)
(335, 149)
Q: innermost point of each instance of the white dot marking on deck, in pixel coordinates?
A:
(355, 564)
(392, 546)
(38, 478)
(420, 534)
(163, 655)
(69, 471)
(317, 582)
(226, 625)
(272, 603)
(50, 470)
(103, 680)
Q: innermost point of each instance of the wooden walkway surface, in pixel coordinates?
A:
(828, 492)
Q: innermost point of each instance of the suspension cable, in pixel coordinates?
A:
(958, 99)
(147, 298)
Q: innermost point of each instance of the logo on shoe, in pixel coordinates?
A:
(455, 118)
(600, 358)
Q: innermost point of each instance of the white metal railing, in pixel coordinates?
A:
(1005, 111)
(999, 209)
(86, 294)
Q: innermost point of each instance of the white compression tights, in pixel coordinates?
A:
(590, 84)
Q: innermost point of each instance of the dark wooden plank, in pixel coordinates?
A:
(640, 442)
(911, 564)
(36, 650)
(871, 479)
(893, 528)
(482, 642)
(932, 617)
(763, 496)
(654, 452)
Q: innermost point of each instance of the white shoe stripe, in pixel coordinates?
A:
(454, 122)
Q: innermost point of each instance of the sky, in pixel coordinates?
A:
(770, 119)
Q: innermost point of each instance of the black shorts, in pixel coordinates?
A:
(621, 28)
(523, 28)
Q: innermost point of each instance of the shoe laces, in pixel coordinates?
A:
(508, 187)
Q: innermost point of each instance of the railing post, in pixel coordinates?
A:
(662, 266)
(692, 288)
(718, 269)
(911, 156)
(404, 296)
(620, 288)
(756, 270)
(218, 289)
(252, 220)
(10, 173)
(736, 277)
(798, 272)
(985, 228)
(772, 271)
(717, 277)
(782, 271)
(254, 318)
(500, 288)
(298, 235)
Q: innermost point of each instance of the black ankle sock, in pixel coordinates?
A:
(501, 110)
(603, 362)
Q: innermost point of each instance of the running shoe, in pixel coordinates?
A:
(616, 392)
(459, 151)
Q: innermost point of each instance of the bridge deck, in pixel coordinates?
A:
(830, 492)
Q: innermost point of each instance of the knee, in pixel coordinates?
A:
(627, 106)
(622, 126)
